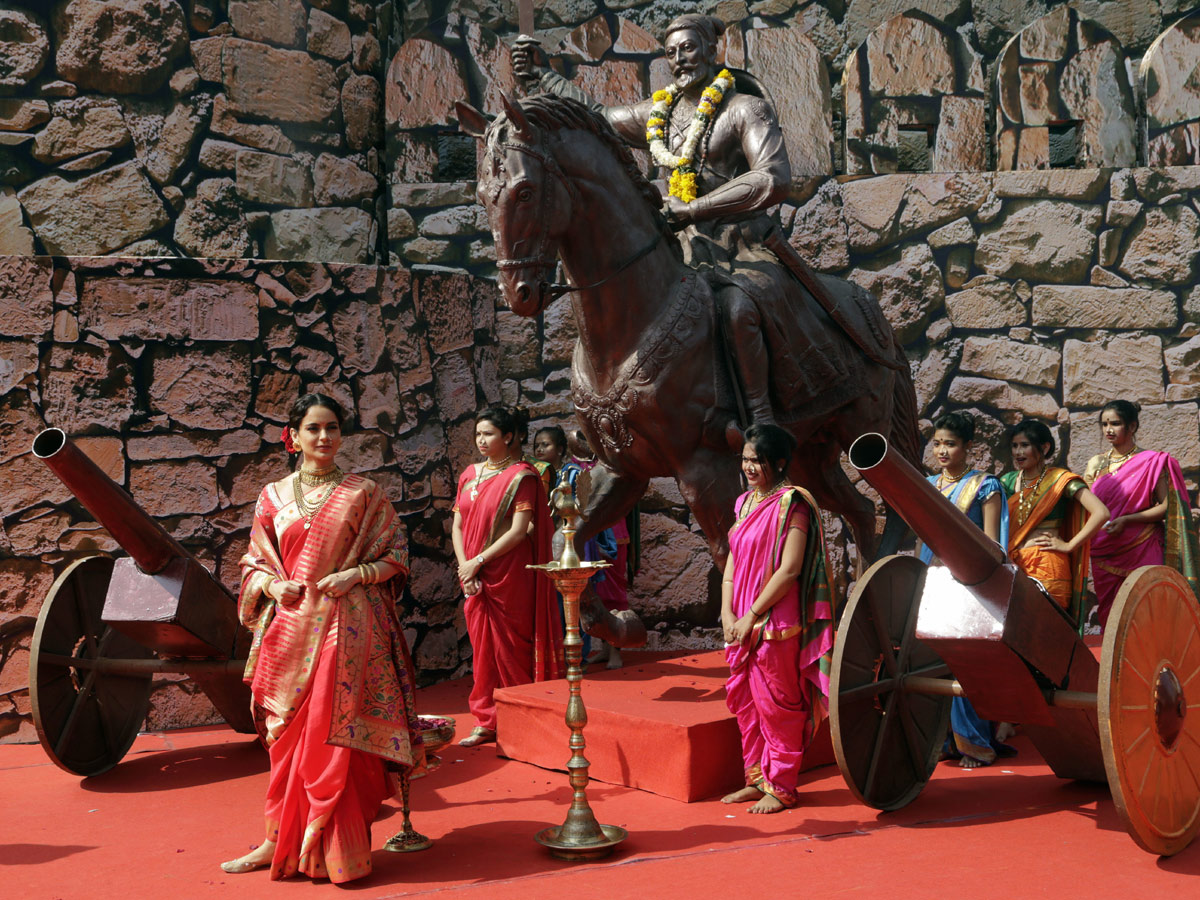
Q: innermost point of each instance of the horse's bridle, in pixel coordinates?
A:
(539, 261)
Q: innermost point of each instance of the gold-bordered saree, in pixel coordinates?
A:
(374, 708)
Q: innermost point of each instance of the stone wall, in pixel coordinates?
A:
(206, 128)
(175, 376)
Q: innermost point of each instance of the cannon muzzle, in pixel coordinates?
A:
(965, 550)
(130, 526)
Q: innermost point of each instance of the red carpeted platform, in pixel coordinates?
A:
(660, 726)
(158, 824)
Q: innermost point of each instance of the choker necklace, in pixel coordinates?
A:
(946, 478)
(1117, 459)
(760, 496)
(320, 476)
(1026, 495)
(487, 470)
(309, 509)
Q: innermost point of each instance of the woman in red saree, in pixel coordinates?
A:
(777, 617)
(501, 525)
(1052, 517)
(1151, 523)
(329, 669)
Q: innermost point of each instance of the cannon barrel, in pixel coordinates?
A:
(130, 526)
(965, 550)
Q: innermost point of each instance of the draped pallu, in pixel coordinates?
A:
(1063, 575)
(513, 621)
(332, 678)
(972, 735)
(778, 687)
(1171, 542)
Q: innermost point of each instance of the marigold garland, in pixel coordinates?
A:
(683, 167)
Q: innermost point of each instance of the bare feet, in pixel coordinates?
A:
(970, 762)
(768, 804)
(614, 659)
(601, 653)
(258, 858)
(1004, 731)
(479, 735)
(746, 793)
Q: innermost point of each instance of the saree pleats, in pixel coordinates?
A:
(778, 688)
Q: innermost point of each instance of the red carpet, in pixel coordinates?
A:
(661, 726)
(158, 824)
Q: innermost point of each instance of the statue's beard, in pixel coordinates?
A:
(691, 77)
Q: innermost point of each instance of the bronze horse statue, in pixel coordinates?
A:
(650, 382)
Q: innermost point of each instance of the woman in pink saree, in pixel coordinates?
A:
(777, 616)
(329, 669)
(1151, 520)
(512, 615)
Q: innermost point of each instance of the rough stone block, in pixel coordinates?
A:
(1183, 362)
(329, 234)
(202, 389)
(270, 179)
(94, 215)
(156, 309)
(1015, 401)
(1044, 240)
(174, 488)
(1084, 306)
(119, 46)
(1125, 367)
(1163, 246)
(1011, 361)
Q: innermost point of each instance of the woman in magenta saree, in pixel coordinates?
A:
(511, 611)
(777, 616)
(329, 669)
(1151, 520)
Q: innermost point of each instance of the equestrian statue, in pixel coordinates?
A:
(695, 316)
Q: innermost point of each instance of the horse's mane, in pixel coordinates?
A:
(551, 112)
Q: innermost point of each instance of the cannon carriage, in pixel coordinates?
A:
(913, 637)
(107, 626)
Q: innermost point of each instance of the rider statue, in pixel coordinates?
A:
(718, 137)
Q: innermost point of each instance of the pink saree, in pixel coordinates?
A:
(513, 621)
(1171, 542)
(331, 678)
(778, 686)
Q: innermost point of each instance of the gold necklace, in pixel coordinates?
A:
(945, 478)
(1119, 460)
(309, 510)
(491, 469)
(1026, 495)
(312, 477)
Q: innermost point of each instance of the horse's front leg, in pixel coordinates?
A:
(613, 495)
(710, 485)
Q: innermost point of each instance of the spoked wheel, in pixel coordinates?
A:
(887, 740)
(1149, 683)
(86, 719)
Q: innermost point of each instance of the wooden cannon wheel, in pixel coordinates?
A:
(1148, 687)
(86, 719)
(887, 740)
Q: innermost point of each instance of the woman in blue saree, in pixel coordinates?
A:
(981, 498)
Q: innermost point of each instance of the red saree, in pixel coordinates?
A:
(332, 678)
(513, 621)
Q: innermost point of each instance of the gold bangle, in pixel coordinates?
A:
(376, 574)
(364, 574)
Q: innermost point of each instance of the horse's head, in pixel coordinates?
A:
(528, 202)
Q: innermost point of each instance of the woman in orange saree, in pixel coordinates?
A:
(501, 525)
(329, 669)
(1052, 518)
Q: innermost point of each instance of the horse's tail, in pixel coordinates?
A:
(906, 438)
